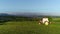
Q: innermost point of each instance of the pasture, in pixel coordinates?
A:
(30, 27)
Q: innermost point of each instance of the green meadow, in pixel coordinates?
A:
(30, 27)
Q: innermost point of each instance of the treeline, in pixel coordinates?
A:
(17, 18)
(23, 18)
(20, 18)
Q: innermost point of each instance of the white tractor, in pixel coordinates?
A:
(44, 21)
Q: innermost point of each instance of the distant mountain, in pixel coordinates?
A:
(5, 14)
(24, 14)
(27, 14)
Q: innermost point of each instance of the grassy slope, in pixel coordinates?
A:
(29, 27)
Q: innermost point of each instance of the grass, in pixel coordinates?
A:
(29, 27)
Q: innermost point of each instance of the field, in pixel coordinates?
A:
(30, 27)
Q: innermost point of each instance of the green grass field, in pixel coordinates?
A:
(29, 27)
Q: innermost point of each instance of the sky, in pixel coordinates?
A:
(49, 7)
